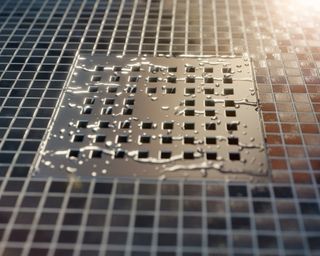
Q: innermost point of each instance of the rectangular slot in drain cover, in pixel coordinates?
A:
(156, 117)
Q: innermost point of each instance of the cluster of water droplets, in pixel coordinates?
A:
(167, 165)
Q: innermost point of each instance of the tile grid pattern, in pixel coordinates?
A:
(39, 40)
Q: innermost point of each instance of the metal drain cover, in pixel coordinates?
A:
(156, 116)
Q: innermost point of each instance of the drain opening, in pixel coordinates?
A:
(158, 115)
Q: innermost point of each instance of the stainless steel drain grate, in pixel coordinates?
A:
(157, 116)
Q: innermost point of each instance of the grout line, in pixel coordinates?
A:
(253, 226)
(144, 27)
(204, 199)
(228, 219)
(133, 13)
(35, 223)
(180, 231)
(201, 26)
(116, 27)
(82, 228)
(156, 222)
(59, 224)
(131, 226)
(230, 27)
(215, 25)
(105, 234)
(186, 37)
(103, 22)
(173, 19)
(158, 29)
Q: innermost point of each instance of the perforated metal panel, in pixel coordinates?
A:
(156, 116)
(39, 42)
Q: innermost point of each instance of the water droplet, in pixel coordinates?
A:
(162, 177)
(71, 169)
(204, 173)
(47, 163)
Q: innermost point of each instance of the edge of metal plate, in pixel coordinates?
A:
(36, 172)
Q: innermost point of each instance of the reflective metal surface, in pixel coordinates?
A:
(157, 117)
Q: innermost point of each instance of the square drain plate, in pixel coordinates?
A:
(156, 117)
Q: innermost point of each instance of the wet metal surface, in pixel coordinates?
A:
(157, 117)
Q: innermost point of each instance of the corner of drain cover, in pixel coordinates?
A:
(156, 117)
